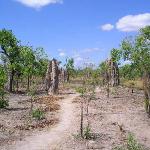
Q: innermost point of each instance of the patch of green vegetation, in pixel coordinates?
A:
(132, 144)
(87, 133)
(38, 114)
(3, 103)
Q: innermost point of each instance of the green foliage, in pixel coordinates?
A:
(87, 133)
(70, 67)
(21, 61)
(3, 79)
(3, 103)
(129, 71)
(115, 55)
(9, 45)
(137, 50)
(146, 105)
(103, 67)
(38, 114)
(28, 60)
(81, 90)
(132, 144)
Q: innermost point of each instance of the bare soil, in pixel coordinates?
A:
(111, 120)
(16, 122)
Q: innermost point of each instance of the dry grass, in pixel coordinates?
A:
(50, 102)
(41, 124)
(133, 83)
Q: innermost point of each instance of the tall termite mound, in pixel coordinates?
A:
(52, 77)
(113, 72)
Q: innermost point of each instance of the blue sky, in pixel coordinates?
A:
(83, 29)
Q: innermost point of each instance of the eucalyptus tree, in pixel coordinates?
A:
(41, 62)
(3, 80)
(28, 63)
(9, 50)
(69, 67)
(137, 51)
(116, 55)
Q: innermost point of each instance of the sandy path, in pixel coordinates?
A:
(52, 139)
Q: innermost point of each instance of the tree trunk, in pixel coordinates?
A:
(17, 84)
(11, 81)
(81, 123)
(68, 77)
(146, 85)
(28, 83)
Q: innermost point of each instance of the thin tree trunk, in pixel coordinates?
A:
(17, 84)
(81, 124)
(146, 84)
(28, 83)
(11, 81)
(108, 90)
(68, 77)
(88, 124)
(30, 80)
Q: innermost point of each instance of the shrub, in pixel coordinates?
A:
(3, 80)
(146, 104)
(38, 114)
(81, 90)
(87, 133)
(132, 144)
(3, 101)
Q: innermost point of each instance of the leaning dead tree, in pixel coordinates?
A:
(113, 73)
(52, 77)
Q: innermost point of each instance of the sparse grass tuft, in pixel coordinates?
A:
(38, 114)
(146, 104)
(131, 144)
(87, 133)
(3, 102)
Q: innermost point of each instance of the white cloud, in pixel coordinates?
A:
(107, 27)
(62, 54)
(89, 50)
(77, 59)
(38, 3)
(133, 22)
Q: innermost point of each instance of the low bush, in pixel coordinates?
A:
(3, 102)
(38, 114)
(132, 144)
(87, 133)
